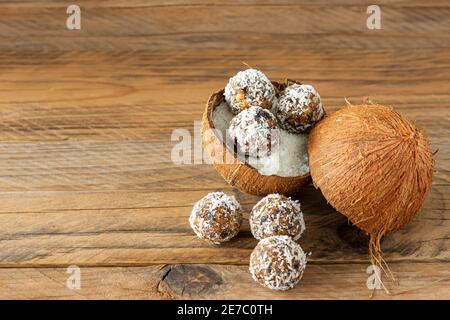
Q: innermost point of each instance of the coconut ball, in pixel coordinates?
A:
(255, 130)
(276, 215)
(299, 108)
(277, 263)
(249, 88)
(217, 217)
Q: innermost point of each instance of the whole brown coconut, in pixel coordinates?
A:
(373, 166)
(235, 171)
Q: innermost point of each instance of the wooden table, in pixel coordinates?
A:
(86, 177)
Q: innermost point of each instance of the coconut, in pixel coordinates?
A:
(373, 166)
(236, 170)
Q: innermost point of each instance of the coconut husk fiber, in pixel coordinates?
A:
(373, 166)
(233, 169)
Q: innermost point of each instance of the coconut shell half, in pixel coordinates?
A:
(235, 171)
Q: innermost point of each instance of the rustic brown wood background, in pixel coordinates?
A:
(85, 139)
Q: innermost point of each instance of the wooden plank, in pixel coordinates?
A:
(152, 230)
(216, 25)
(218, 3)
(61, 201)
(343, 281)
(69, 166)
(60, 104)
(172, 77)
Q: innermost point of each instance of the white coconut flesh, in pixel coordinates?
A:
(288, 159)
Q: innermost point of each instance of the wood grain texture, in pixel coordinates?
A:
(132, 229)
(153, 25)
(325, 281)
(87, 116)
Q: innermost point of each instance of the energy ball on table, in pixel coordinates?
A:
(277, 215)
(249, 88)
(299, 108)
(277, 263)
(255, 130)
(217, 217)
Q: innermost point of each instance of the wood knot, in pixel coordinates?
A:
(189, 280)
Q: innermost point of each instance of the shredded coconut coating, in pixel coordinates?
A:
(277, 263)
(288, 159)
(255, 130)
(299, 108)
(277, 215)
(249, 88)
(216, 217)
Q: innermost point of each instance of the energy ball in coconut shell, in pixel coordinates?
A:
(373, 166)
(277, 263)
(277, 215)
(249, 88)
(233, 168)
(299, 108)
(255, 131)
(217, 217)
